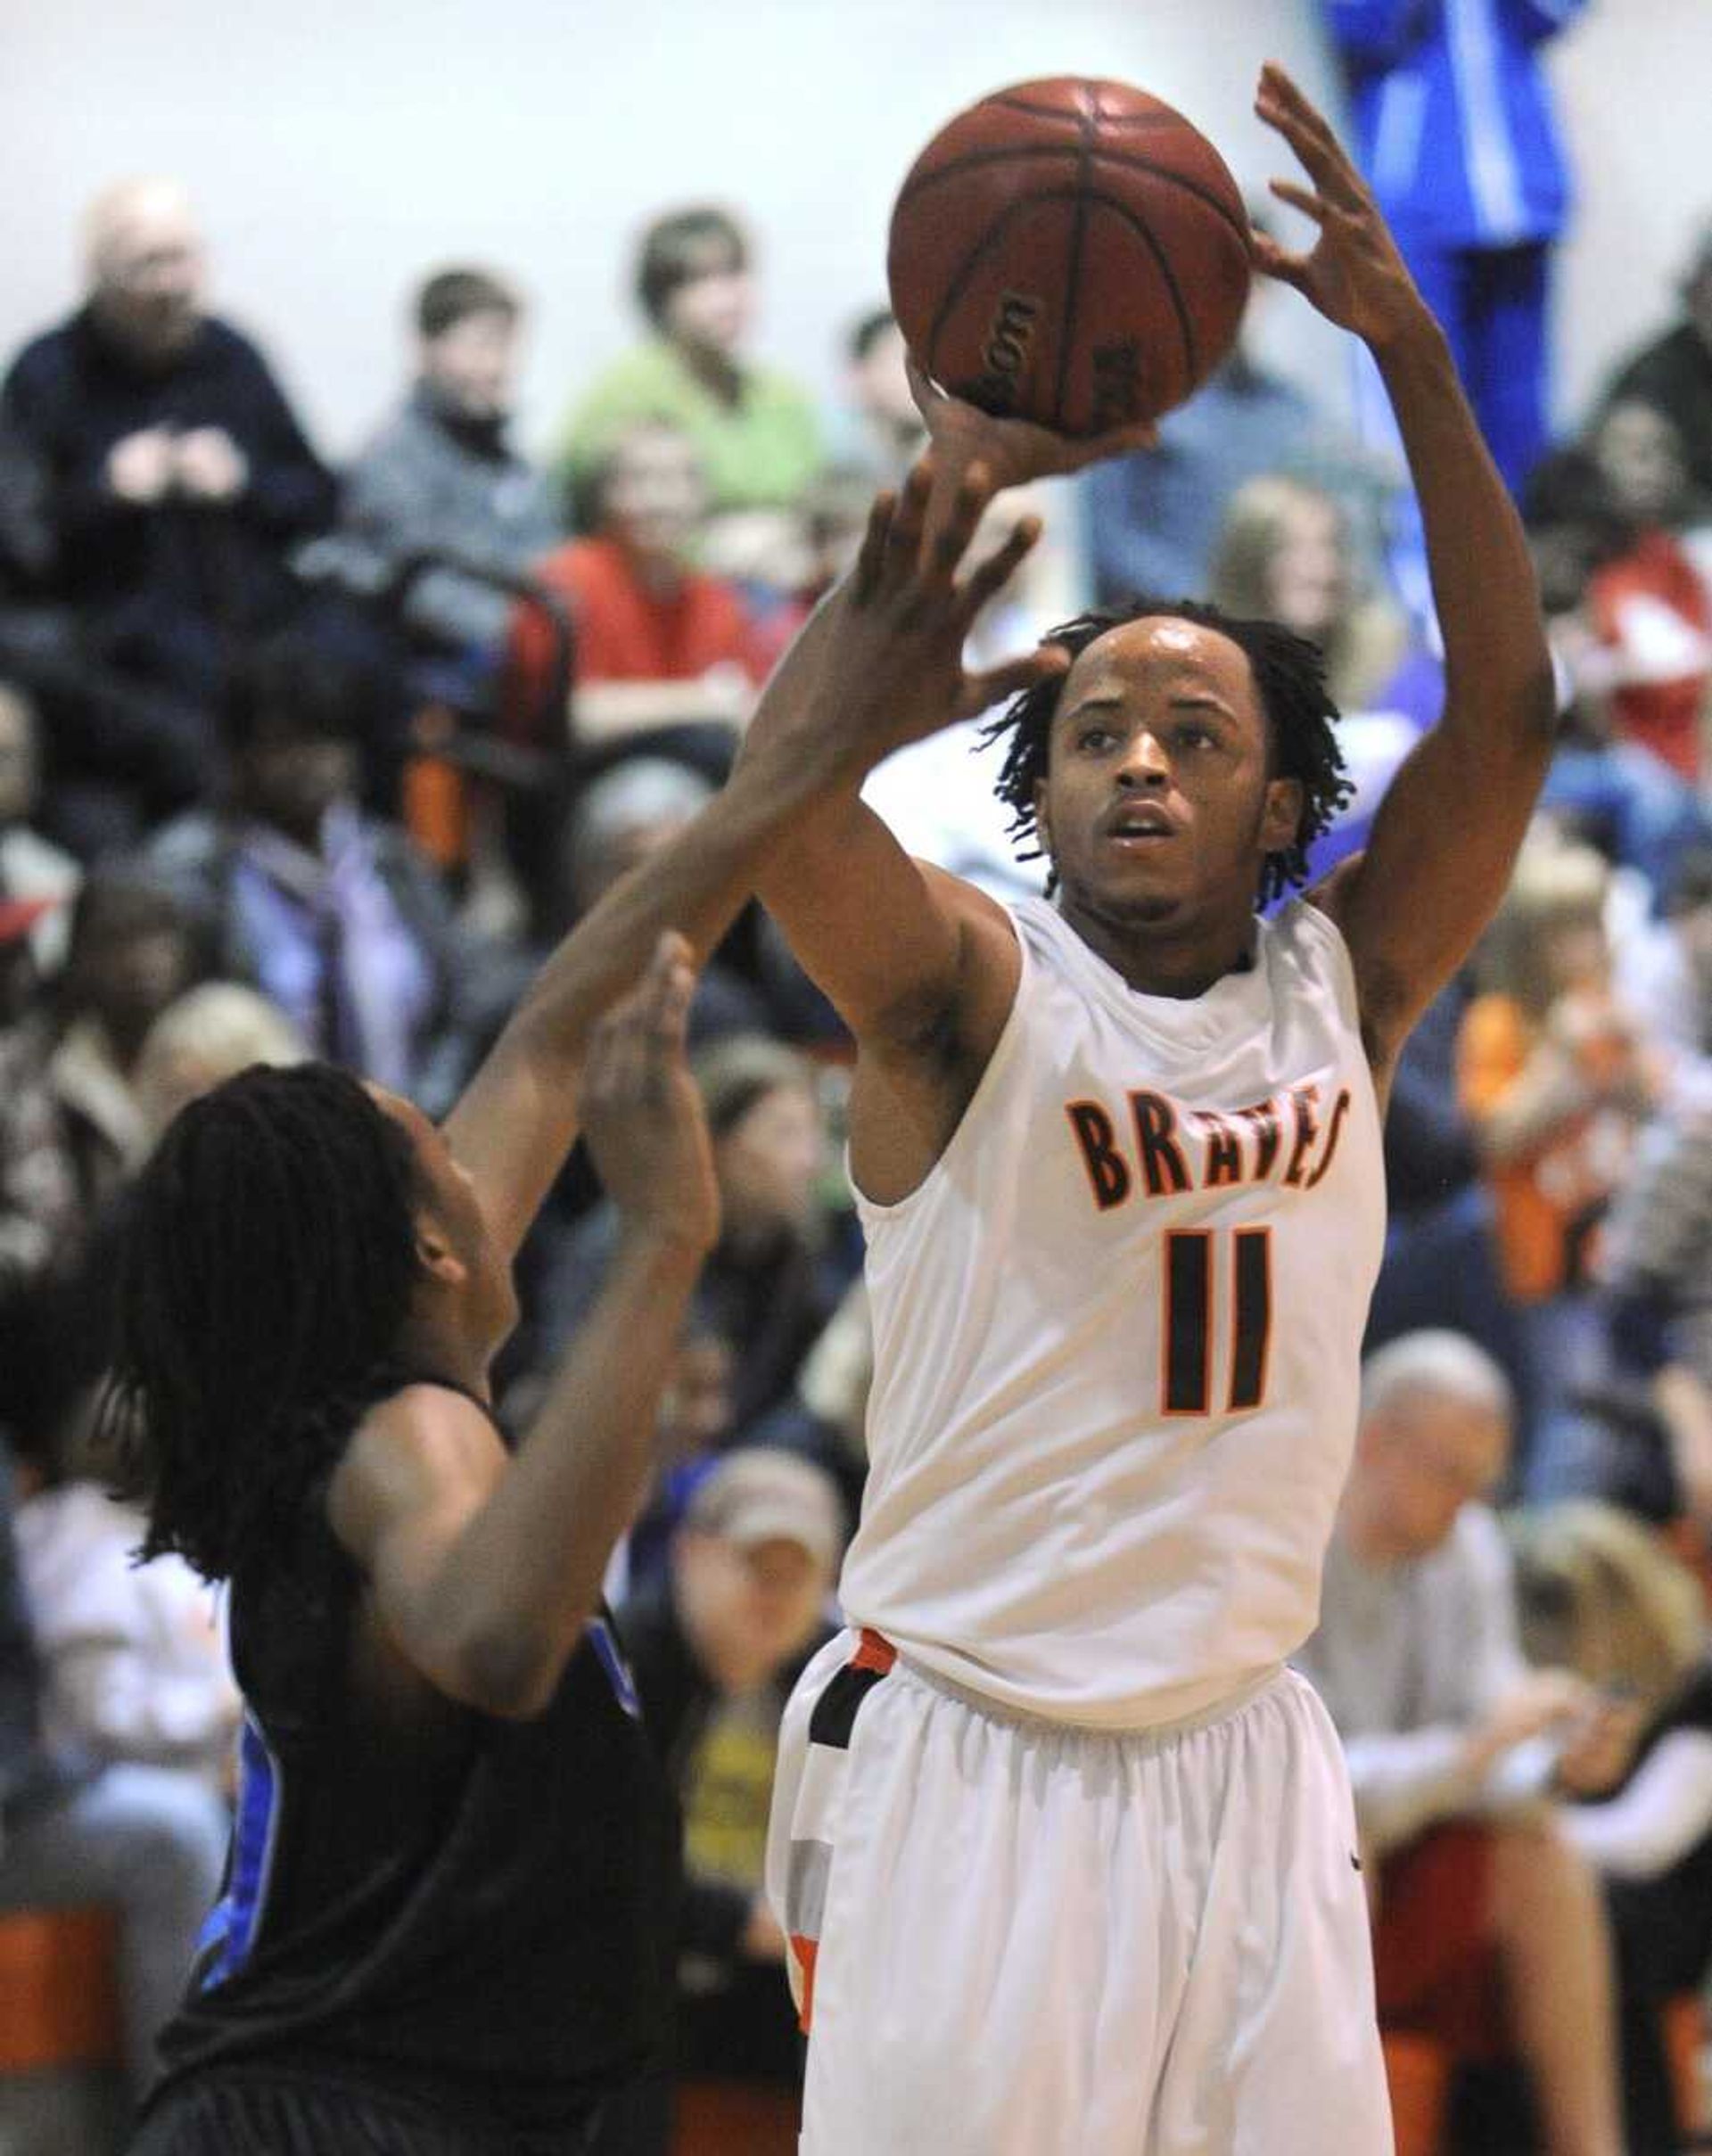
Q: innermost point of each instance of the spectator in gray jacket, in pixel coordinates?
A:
(441, 472)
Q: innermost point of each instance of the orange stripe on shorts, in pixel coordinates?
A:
(873, 1651)
(805, 1950)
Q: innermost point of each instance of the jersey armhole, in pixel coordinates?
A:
(870, 1209)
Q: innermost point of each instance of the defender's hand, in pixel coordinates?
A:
(1353, 275)
(641, 1112)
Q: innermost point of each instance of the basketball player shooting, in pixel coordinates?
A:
(1065, 1854)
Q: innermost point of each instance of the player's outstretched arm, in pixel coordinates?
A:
(1447, 832)
(921, 967)
(485, 1569)
(518, 1118)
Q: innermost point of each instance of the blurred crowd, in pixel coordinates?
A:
(303, 762)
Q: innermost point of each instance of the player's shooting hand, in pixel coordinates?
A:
(911, 600)
(880, 662)
(642, 1115)
(1353, 273)
(1012, 451)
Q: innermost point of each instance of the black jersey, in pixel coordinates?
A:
(476, 1910)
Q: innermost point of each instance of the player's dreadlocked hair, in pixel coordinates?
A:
(266, 1274)
(1290, 677)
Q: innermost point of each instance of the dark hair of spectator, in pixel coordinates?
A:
(452, 296)
(676, 250)
(266, 1276)
(866, 331)
(1289, 674)
(1567, 487)
(288, 685)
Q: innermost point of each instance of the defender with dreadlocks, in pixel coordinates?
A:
(447, 1922)
(1066, 1855)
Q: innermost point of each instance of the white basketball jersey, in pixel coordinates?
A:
(1117, 1336)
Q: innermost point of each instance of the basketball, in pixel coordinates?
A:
(1069, 251)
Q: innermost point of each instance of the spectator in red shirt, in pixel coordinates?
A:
(1649, 606)
(658, 643)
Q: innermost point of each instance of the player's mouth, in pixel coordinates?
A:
(1139, 825)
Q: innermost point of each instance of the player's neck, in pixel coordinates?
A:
(1162, 958)
(430, 1348)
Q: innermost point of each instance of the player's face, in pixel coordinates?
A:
(452, 1208)
(1158, 808)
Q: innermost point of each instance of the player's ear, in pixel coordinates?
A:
(435, 1255)
(1281, 822)
(1042, 821)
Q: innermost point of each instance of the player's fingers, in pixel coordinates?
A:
(909, 519)
(661, 1000)
(928, 396)
(1298, 198)
(598, 1083)
(870, 560)
(995, 571)
(1123, 441)
(1278, 87)
(980, 692)
(955, 526)
(1273, 261)
(1285, 109)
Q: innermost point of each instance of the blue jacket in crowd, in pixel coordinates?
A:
(1453, 118)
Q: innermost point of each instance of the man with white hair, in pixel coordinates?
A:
(177, 478)
(1453, 1743)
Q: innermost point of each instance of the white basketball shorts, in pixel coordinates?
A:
(1011, 1938)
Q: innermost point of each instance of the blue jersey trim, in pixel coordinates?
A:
(230, 1932)
(604, 1641)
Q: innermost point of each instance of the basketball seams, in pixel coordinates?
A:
(1102, 152)
(1236, 219)
(1163, 116)
(972, 262)
(971, 160)
(1168, 276)
(1073, 263)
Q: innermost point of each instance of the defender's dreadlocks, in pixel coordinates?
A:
(266, 1274)
(1290, 677)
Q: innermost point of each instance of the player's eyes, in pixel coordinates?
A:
(1095, 737)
